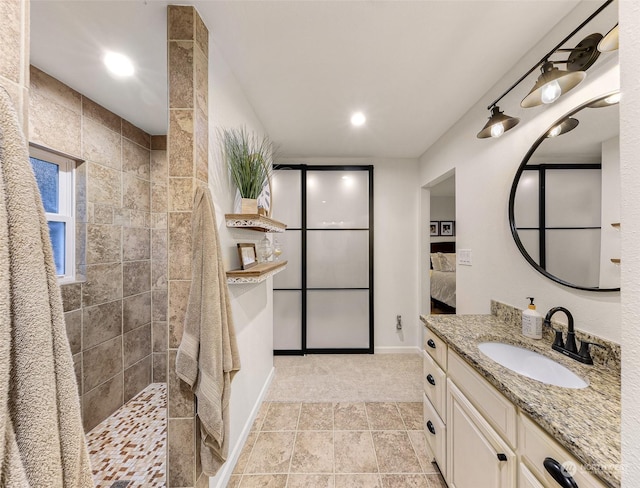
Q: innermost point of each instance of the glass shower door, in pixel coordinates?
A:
(287, 285)
(323, 300)
(338, 261)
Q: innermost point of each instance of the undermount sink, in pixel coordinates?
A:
(532, 365)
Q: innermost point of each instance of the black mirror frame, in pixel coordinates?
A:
(512, 196)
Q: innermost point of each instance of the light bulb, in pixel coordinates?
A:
(615, 98)
(551, 92)
(555, 131)
(497, 130)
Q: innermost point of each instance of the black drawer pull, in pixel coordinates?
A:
(431, 380)
(431, 428)
(558, 473)
(502, 457)
(431, 344)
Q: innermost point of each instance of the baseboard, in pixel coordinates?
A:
(222, 479)
(397, 350)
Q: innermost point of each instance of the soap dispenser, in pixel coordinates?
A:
(531, 322)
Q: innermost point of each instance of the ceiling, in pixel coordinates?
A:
(413, 67)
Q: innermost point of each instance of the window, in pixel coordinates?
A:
(55, 177)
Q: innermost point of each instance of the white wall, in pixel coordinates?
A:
(630, 232)
(484, 170)
(443, 208)
(396, 234)
(252, 304)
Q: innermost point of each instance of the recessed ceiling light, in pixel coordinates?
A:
(118, 64)
(358, 119)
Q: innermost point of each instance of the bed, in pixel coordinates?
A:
(443, 275)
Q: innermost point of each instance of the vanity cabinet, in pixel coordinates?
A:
(535, 445)
(526, 479)
(435, 388)
(477, 436)
(477, 455)
(435, 384)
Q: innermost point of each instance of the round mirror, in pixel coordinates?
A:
(564, 206)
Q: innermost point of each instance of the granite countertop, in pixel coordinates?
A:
(585, 421)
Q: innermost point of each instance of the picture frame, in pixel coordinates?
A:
(434, 228)
(447, 228)
(247, 254)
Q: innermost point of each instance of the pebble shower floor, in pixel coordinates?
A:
(129, 448)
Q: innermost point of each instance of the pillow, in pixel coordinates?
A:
(436, 261)
(447, 261)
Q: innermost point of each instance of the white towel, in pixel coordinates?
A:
(42, 442)
(208, 355)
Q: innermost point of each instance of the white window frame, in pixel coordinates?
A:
(66, 206)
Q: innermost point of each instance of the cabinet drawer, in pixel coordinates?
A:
(498, 411)
(535, 445)
(436, 348)
(435, 384)
(436, 434)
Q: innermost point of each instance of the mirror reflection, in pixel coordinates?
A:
(565, 199)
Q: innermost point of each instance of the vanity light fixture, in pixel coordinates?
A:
(566, 126)
(607, 101)
(610, 41)
(497, 124)
(552, 82)
(118, 64)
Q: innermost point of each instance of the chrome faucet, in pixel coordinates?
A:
(569, 348)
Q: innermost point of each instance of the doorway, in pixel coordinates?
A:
(442, 247)
(323, 300)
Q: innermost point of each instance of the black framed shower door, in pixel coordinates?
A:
(323, 301)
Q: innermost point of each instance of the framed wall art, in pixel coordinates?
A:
(247, 253)
(447, 228)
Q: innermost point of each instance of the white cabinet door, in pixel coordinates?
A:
(526, 479)
(476, 455)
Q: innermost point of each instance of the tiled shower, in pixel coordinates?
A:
(133, 209)
(116, 311)
(120, 300)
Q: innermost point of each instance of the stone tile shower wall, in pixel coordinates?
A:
(187, 145)
(159, 284)
(14, 54)
(109, 313)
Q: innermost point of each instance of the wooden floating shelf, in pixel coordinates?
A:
(616, 225)
(256, 274)
(615, 260)
(254, 222)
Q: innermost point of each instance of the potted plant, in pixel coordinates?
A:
(248, 159)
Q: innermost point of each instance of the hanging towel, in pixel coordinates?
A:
(42, 442)
(208, 356)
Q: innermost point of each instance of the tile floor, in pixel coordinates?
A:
(347, 378)
(128, 449)
(331, 423)
(337, 445)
